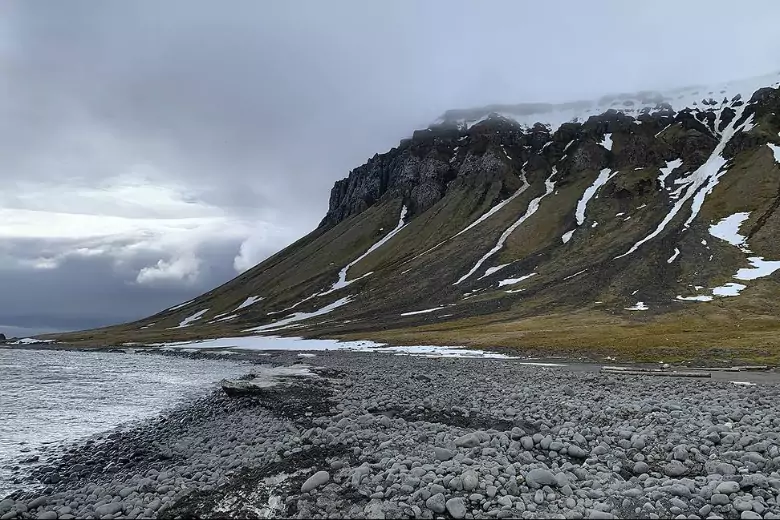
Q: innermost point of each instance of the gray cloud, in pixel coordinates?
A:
(258, 107)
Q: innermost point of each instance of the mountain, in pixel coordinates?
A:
(644, 224)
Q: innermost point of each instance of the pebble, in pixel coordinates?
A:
(318, 479)
(456, 507)
(414, 447)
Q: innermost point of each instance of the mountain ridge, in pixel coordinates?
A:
(489, 227)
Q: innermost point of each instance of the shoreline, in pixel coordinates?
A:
(526, 354)
(404, 436)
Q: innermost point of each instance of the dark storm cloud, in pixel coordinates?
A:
(257, 107)
(91, 292)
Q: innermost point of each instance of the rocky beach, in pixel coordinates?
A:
(384, 436)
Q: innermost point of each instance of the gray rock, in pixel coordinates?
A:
(436, 503)
(318, 479)
(675, 469)
(456, 507)
(374, 510)
(599, 450)
(6, 505)
(754, 480)
(601, 515)
(719, 499)
(47, 515)
(750, 515)
(540, 477)
(442, 454)
(641, 468)
(37, 502)
(577, 452)
(470, 480)
(111, 508)
(470, 440)
(743, 504)
(727, 487)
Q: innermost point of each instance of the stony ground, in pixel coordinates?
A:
(381, 436)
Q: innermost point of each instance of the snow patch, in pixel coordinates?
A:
(674, 256)
(639, 306)
(668, 169)
(513, 281)
(607, 142)
(424, 311)
(267, 343)
(188, 320)
(300, 316)
(760, 269)
(701, 298)
(728, 229)
(249, 301)
(225, 318)
(567, 236)
(491, 270)
(775, 150)
(30, 341)
(604, 176)
(575, 274)
(730, 289)
(180, 305)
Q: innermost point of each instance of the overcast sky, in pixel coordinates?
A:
(152, 150)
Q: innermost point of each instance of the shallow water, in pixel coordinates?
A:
(49, 396)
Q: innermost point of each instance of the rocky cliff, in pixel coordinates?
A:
(648, 220)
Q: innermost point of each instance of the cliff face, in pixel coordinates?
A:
(625, 224)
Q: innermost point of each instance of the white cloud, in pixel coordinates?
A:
(183, 269)
(256, 247)
(132, 218)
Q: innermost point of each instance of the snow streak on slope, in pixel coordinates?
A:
(533, 206)
(607, 142)
(600, 181)
(179, 306)
(249, 301)
(300, 316)
(579, 214)
(342, 281)
(699, 184)
(491, 270)
(674, 256)
(424, 311)
(497, 207)
(195, 317)
(513, 281)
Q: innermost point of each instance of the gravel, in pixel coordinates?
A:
(370, 437)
